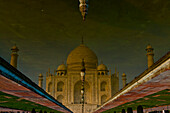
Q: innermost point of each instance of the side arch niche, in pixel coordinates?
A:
(60, 86)
(103, 86)
(103, 99)
(60, 98)
(50, 87)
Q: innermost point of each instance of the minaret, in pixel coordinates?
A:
(150, 55)
(14, 56)
(40, 81)
(124, 79)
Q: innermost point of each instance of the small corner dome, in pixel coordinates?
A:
(148, 46)
(123, 75)
(40, 75)
(102, 67)
(62, 67)
(15, 48)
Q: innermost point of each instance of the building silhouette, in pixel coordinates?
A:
(65, 83)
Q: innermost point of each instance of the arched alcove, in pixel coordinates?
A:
(62, 73)
(103, 86)
(139, 109)
(50, 87)
(98, 73)
(77, 92)
(60, 98)
(60, 86)
(103, 99)
(102, 73)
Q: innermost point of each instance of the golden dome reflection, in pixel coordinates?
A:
(75, 57)
(62, 67)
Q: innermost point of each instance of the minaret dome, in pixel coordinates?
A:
(124, 79)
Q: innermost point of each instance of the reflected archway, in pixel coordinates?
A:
(77, 92)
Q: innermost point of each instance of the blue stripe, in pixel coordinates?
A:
(9, 75)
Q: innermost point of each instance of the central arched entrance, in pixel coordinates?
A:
(77, 92)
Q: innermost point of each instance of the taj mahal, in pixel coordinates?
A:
(65, 83)
(97, 86)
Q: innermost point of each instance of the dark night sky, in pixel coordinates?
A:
(118, 31)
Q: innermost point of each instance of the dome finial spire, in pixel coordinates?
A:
(83, 65)
(62, 62)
